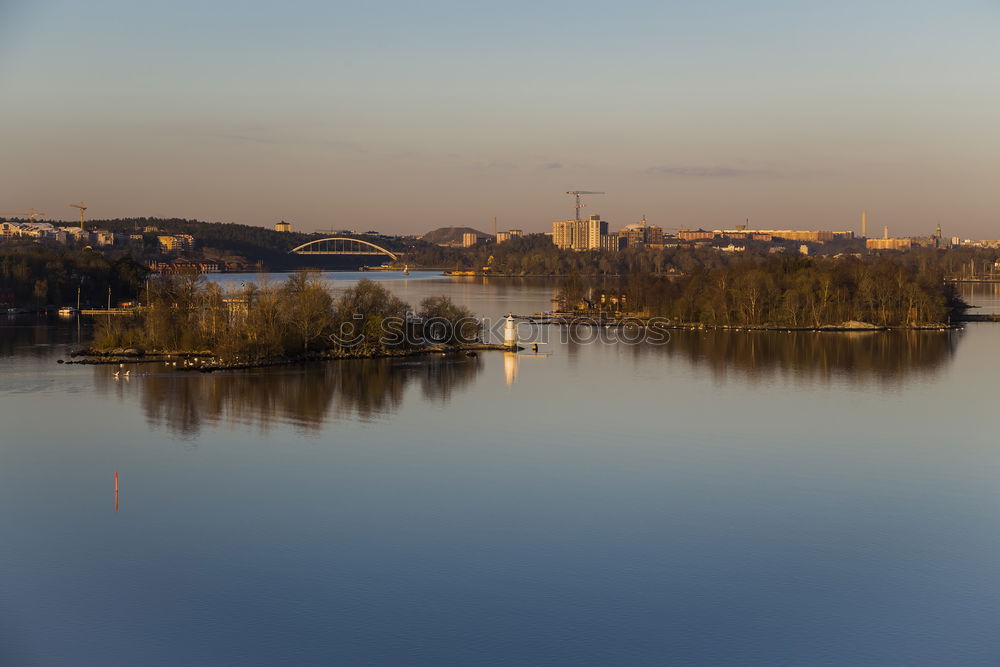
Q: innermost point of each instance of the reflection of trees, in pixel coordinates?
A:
(305, 397)
(885, 356)
(438, 381)
(30, 335)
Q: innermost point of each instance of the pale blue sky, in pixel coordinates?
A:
(406, 116)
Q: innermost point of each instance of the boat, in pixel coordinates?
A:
(68, 311)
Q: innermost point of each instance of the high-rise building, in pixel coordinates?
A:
(591, 231)
(564, 233)
(579, 234)
(469, 239)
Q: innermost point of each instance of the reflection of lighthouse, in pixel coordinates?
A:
(510, 367)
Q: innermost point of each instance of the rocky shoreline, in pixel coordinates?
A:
(637, 321)
(205, 362)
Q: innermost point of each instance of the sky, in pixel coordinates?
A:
(406, 116)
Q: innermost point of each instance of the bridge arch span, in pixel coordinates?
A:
(338, 245)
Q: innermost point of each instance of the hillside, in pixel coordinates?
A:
(443, 235)
(222, 241)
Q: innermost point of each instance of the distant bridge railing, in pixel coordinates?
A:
(341, 246)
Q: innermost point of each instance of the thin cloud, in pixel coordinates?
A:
(690, 171)
(246, 138)
(269, 138)
(342, 145)
(495, 164)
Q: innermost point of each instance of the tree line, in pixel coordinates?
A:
(900, 290)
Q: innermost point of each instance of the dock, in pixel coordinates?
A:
(110, 311)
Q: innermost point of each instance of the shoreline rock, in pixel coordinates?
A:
(211, 364)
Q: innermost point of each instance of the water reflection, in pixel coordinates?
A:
(886, 357)
(986, 296)
(305, 397)
(510, 362)
(35, 336)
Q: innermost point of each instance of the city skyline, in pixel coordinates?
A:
(404, 119)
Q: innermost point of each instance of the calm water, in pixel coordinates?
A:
(784, 498)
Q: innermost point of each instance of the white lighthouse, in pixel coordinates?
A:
(510, 332)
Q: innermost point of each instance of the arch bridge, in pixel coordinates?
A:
(336, 245)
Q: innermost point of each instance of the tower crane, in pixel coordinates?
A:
(577, 194)
(31, 214)
(82, 208)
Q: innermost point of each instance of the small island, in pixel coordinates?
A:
(212, 327)
(844, 293)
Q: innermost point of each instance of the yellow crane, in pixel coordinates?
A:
(31, 214)
(82, 208)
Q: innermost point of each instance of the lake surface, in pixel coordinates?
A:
(724, 498)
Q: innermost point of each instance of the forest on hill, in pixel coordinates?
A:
(223, 241)
(217, 240)
(451, 235)
(40, 275)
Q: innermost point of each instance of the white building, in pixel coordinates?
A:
(77, 234)
(30, 230)
(103, 237)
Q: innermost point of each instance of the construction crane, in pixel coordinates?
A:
(577, 194)
(32, 214)
(82, 208)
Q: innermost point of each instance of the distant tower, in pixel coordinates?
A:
(885, 232)
(937, 232)
(282, 226)
(864, 224)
